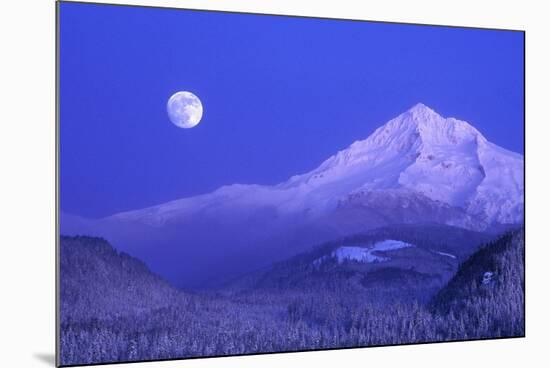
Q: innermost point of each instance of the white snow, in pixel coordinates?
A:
(389, 244)
(447, 254)
(358, 254)
(487, 277)
(366, 254)
(500, 197)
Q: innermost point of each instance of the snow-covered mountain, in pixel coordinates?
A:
(418, 168)
(419, 156)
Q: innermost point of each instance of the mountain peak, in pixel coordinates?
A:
(421, 110)
(418, 138)
(423, 125)
(419, 115)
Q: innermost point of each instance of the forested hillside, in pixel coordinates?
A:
(115, 309)
(486, 296)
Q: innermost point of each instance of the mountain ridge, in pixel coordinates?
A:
(418, 150)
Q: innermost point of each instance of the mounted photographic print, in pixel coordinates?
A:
(234, 183)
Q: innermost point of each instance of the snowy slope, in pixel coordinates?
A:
(367, 254)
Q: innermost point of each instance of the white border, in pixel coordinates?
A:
(27, 190)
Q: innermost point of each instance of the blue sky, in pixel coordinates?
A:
(280, 95)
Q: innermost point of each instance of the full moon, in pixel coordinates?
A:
(184, 109)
